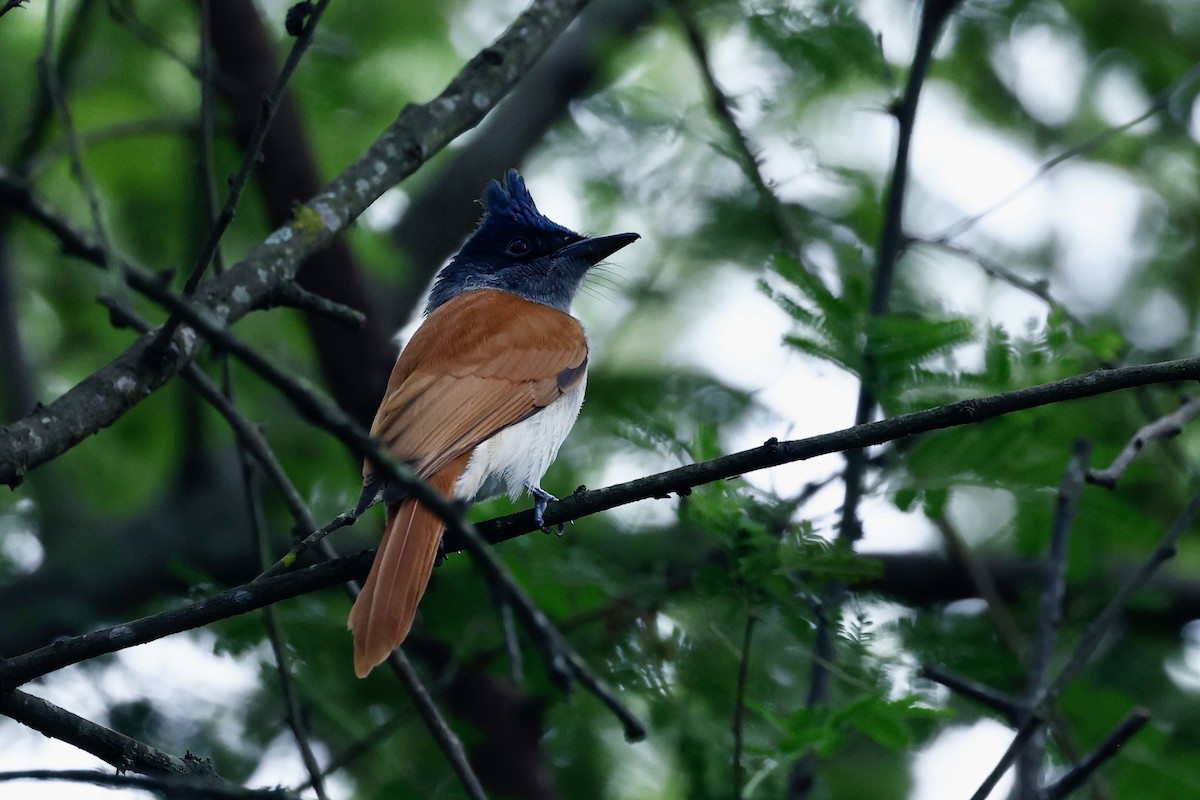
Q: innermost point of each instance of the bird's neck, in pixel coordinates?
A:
(443, 291)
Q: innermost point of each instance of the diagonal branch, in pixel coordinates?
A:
(1162, 428)
(109, 746)
(745, 155)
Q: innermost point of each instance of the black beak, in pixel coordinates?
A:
(593, 251)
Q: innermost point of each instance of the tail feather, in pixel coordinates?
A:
(384, 611)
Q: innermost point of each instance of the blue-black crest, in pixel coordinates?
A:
(517, 249)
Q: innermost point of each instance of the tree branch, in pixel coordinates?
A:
(117, 749)
(173, 787)
(1080, 773)
(1163, 428)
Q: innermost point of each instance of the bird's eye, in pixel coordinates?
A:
(518, 247)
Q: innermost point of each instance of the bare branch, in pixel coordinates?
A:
(1000, 702)
(253, 150)
(56, 93)
(174, 787)
(295, 296)
(9, 5)
(1029, 765)
(1163, 428)
(1035, 288)
(1082, 771)
(113, 748)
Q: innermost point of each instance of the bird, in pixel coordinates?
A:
(480, 399)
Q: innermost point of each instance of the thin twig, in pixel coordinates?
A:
(744, 153)
(739, 707)
(125, 129)
(508, 625)
(290, 558)
(119, 10)
(237, 184)
(1082, 771)
(9, 5)
(1049, 618)
(74, 152)
(1036, 288)
(1161, 100)
(241, 178)
(292, 711)
(1001, 702)
(363, 745)
(168, 786)
(1163, 428)
(562, 659)
(293, 295)
(984, 585)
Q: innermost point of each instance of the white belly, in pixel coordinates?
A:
(520, 454)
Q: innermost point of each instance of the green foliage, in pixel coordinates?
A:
(657, 596)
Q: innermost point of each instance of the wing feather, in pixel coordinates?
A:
(480, 363)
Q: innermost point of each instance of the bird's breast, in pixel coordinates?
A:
(521, 453)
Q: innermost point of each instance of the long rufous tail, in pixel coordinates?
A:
(384, 611)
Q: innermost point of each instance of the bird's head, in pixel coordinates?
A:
(516, 249)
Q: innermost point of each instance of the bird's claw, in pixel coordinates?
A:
(541, 499)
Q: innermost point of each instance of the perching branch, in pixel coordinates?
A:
(251, 596)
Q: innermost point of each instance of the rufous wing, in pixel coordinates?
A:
(481, 362)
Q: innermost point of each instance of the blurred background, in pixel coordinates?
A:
(1051, 228)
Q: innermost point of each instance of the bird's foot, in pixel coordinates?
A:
(541, 499)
